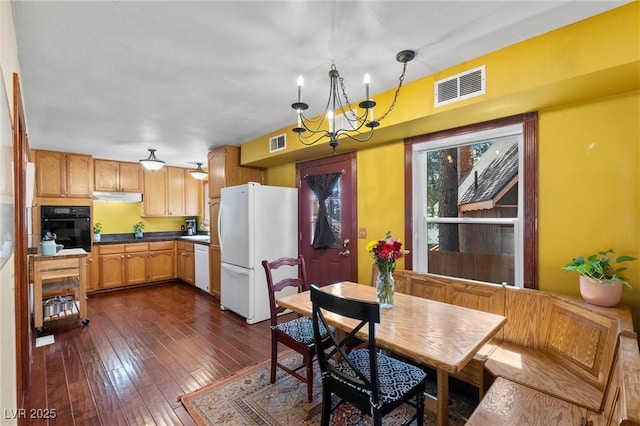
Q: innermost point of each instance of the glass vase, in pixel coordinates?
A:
(385, 288)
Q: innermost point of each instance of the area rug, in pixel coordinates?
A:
(247, 398)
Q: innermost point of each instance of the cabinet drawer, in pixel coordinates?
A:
(112, 249)
(185, 246)
(161, 245)
(135, 247)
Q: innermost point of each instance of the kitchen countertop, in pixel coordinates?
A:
(107, 239)
(62, 254)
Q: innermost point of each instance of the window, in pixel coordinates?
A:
(468, 196)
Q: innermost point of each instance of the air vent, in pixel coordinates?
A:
(343, 122)
(462, 86)
(277, 143)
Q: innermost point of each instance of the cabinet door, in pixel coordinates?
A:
(214, 211)
(192, 195)
(217, 159)
(175, 191)
(130, 177)
(155, 192)
(50, 174)
(190, 270)
(136, 268)
(214, 270)
(161, 265)
(78, 176)
(92, 272)
(112, 269)
(105, 175)
(186, 267)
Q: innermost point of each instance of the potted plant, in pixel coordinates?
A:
(137, 229)
(600, 279)
(97, 229)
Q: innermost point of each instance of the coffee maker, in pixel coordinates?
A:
(191, 226)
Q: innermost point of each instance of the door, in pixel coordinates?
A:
(237, 289)
(236, 226)
(339, 261)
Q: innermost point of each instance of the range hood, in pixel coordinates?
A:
(127, 197)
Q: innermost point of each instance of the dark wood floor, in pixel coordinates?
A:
(141, 350)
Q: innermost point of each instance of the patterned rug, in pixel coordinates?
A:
(247, 398)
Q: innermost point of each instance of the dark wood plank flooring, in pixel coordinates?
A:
(141, 350)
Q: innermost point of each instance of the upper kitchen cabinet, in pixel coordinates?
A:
(63, 175)
(225, 170)
(192, 195)
(117, 176)
(164, 192)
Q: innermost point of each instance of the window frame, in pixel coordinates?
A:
(529, 123)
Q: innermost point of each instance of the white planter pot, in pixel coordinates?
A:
(600, 293)
(96, 238)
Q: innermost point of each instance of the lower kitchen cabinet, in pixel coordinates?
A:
(111, 266)
(214, 270)
(120, 265)
(92, 270)
(162, 261)
(136, 260)
(186, 262)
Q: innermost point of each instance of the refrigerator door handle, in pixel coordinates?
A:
(235, 269)
(219, 227)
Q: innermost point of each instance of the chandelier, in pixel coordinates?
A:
(355, 125)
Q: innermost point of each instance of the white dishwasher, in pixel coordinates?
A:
(202, 266)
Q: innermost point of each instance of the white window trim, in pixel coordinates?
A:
(419, 217)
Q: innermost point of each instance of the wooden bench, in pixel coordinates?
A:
(511, 403)
(553, 346)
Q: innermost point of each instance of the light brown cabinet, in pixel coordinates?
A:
(63, 175)
(136, 263)
(162, 260)
(186, 262)
(122, 264)
(214, 212)
(165, 193)
(192, 195)
(214, 270)
(225, 170)
(117, 176)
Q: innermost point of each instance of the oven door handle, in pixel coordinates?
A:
(67, 220)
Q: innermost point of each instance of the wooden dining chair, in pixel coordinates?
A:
(297, 333)
(374, 383)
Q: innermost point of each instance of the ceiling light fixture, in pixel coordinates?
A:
(354, 123)
(199, 173)
(152, 163)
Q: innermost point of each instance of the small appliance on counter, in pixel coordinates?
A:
(191, 226)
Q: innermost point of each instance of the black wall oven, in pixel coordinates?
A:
(71, 224)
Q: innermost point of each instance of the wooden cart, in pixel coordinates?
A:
(65, 270)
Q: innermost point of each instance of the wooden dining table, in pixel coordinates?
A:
(443, 336)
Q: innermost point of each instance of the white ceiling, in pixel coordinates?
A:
(114, 78)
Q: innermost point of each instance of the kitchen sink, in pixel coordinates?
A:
(196, 238)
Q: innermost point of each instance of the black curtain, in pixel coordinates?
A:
(322, 186)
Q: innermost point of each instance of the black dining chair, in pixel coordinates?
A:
(374, 383)
(296, 333)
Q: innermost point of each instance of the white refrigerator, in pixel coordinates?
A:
(255, 223)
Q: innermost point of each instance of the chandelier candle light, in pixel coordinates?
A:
(385, 253)
(359, 127)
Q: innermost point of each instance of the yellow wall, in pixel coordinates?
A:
(118, 218)
(589, 191)
(380, 199)
(584, 81)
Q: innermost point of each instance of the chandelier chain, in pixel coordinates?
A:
(395, 96)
